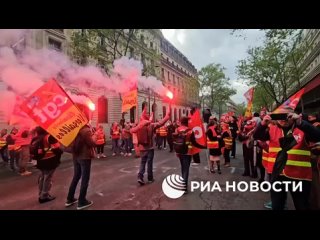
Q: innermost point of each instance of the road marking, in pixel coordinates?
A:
(233, 169)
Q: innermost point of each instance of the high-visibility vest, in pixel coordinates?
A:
(163, 131)
(188, 139)
(298, 165)
(212, 144)
(158, 131)
(265, 160)
(3, 141)
(115, 133)
(100, 137)
(48, 147)
(228, 140)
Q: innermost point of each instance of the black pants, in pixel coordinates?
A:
(185, 161)
(248, 160)
(164, 140)
(170, 143)
(233, 152)
(300, 199)
(196, 158)
(226, 156)
(100, 148)
(82, 169)
(260, 166)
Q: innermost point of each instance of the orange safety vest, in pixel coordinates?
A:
(3, 141)
(48, 147)
(212, 144)
(115, 133)
(228, 141)
(265, 160)
(163, 131)
(298, 165)
(188, 142)
(100, 138)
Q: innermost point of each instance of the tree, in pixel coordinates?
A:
(276, 66)
(241, 108)
(214, 86)
(260, 99)
(104, 45)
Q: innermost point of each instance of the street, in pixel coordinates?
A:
(113, 186)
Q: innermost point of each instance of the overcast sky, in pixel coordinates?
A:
(205, 46)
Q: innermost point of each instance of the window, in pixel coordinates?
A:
(174, 78)
(54, 44)
(131, 52)
(151, 45)
(179, 113)
(132, 114)
(102, 110)
(162, 72)
(143, 60)
(169, 76)
(83, 32)
(164, 110)
(175, 115)
(142, 39)
(101, 41)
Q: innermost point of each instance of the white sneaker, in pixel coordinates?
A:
(125, 155)
(121, 153)
(104, 156)
(113, 154)
(195, 164)
(98, 156)
(129, 154)
(164, 148)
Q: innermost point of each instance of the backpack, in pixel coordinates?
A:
(180, 145)
(37, 150)
(144, 136)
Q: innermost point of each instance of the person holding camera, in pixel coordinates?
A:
(289, 155)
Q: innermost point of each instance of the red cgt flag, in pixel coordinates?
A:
(292, 102)
(196, 124)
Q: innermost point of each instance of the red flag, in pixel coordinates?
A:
(196, 124)
(52, 108)
(249, 94)
(292, 102)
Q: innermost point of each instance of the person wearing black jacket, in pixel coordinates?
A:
(234, 129)
(185, 159)
(300, 199)
(170, 129)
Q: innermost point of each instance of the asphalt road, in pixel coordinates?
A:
(113, 185)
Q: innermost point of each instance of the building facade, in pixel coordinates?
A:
(310, 63)
(148, 46)
(180, 77)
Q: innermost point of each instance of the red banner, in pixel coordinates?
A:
(196, 124)
(249, 96)
(52, 108)
(292, 102)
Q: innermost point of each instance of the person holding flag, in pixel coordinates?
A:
(289, 155)
(197, 126)
(189, 136)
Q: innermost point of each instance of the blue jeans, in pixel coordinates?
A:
(82, 168)
(146, 156)
(115, 146)
(127, 145)
(185, 161)
(4, 154)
